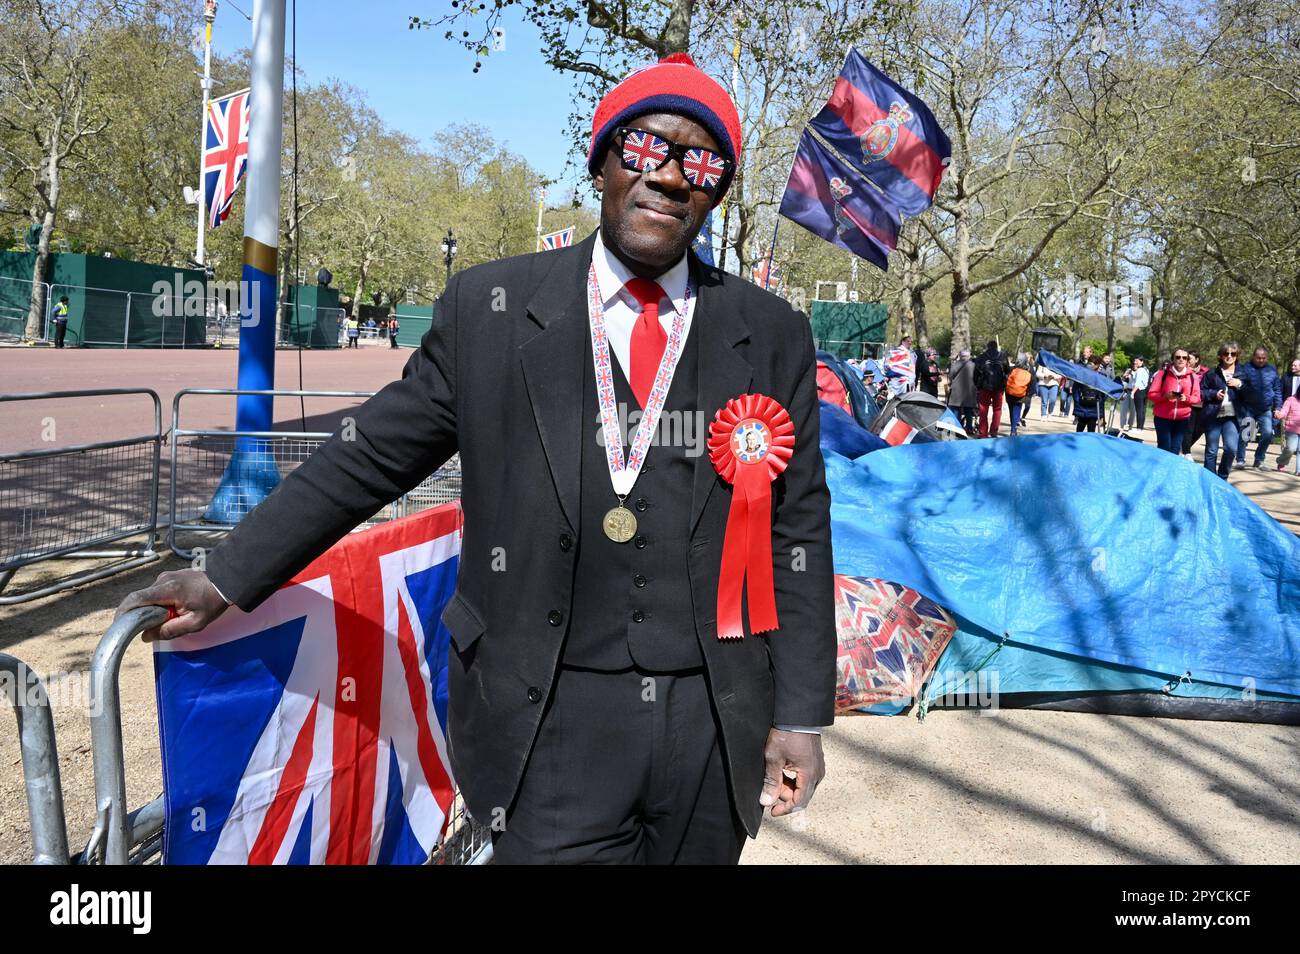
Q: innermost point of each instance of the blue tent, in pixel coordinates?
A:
(1083, 573)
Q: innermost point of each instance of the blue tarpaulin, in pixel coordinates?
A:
(1090, 564)
(1081, 373)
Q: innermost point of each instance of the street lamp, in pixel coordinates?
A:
(449, 252)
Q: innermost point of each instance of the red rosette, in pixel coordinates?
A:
(751, 441)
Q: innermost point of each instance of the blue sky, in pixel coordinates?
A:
(419, 82)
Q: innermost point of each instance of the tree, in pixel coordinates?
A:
(49, 113)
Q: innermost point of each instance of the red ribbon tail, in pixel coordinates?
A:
(760, 586)
(731, 576)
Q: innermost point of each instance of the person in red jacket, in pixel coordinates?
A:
(1174, 393)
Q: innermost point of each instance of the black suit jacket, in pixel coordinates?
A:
(499, 378)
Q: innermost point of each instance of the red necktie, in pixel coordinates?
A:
(648, 338)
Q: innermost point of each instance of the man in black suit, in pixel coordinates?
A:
(594, 712)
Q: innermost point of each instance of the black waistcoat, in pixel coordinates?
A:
(632, 601)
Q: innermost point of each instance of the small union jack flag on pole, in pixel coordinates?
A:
(225, 153)
(560, 239)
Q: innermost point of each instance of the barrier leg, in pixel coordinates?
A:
(40, 760)
(106, 726)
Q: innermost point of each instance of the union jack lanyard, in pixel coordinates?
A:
(624, 475)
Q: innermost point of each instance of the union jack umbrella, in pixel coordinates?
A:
(225, 153)
(560, 239)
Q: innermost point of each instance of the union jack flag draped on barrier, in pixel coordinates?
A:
(313, 730)
(560, 239)
(225, 153)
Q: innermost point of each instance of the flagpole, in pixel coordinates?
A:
(251, 474)
(541, 203)
(209, 14)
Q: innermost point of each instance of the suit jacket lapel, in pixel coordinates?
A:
(723, 371)
(554, 371)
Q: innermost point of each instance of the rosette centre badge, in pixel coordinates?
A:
(751, 441)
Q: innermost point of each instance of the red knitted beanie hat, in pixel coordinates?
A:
(673, 85)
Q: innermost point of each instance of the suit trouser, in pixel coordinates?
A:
(627, 768)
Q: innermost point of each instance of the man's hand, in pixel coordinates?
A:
(189, 593)
(794, 766)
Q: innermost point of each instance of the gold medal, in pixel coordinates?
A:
(619, 524)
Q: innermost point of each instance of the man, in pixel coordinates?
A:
(961, 391)
(1261, 395)
(592, 703)
(1141, 384)
(991, 370)
(60, 318)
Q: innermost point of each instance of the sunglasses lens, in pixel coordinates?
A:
(644, 151)
(703, 168)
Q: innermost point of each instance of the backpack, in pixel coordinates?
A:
(1018, 383)
(989, 373)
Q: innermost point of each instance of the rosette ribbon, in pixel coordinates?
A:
(751, 441)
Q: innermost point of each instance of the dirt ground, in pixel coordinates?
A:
(1014, 786)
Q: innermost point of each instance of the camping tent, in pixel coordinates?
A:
(1066, 560)
(922, 412)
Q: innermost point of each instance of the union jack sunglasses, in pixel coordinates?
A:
(645, 152)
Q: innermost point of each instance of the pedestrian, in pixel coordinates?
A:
(1141, 385)
(1288, 416)
(60, 317)
(600, 707)
(991, 370)
(1221, 397)
(1017, 391)
(393, 329)
(354, 331)
(961, 391)
(1127, 409)
(1291, 381)
(1261, 396)
(1049, 389)
(1195, 430)
(1067, 396)
(1175, 400)
(927, 372)
(1088, 402)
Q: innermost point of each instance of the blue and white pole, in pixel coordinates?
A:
(251, 474)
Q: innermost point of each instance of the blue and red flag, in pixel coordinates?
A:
(313, 730)
(827, 198)
(887, 133)
(225, 153)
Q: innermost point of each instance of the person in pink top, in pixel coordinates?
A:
(1288, 416)
(1174, 393)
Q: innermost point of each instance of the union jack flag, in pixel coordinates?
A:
(313, 730)
(765, 278)
(225, 153)
(560, 239)
(897, 433)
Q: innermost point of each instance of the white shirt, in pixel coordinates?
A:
(622, 309)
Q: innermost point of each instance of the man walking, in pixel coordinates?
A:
(1261, 396)
(991, 371)
(593, 703)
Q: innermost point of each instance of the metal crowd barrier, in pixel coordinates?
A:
(199, 458)
(43, 513)
(40, 758)
(133, 837)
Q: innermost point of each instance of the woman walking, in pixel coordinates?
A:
(1220, 393)
(1174, 400)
